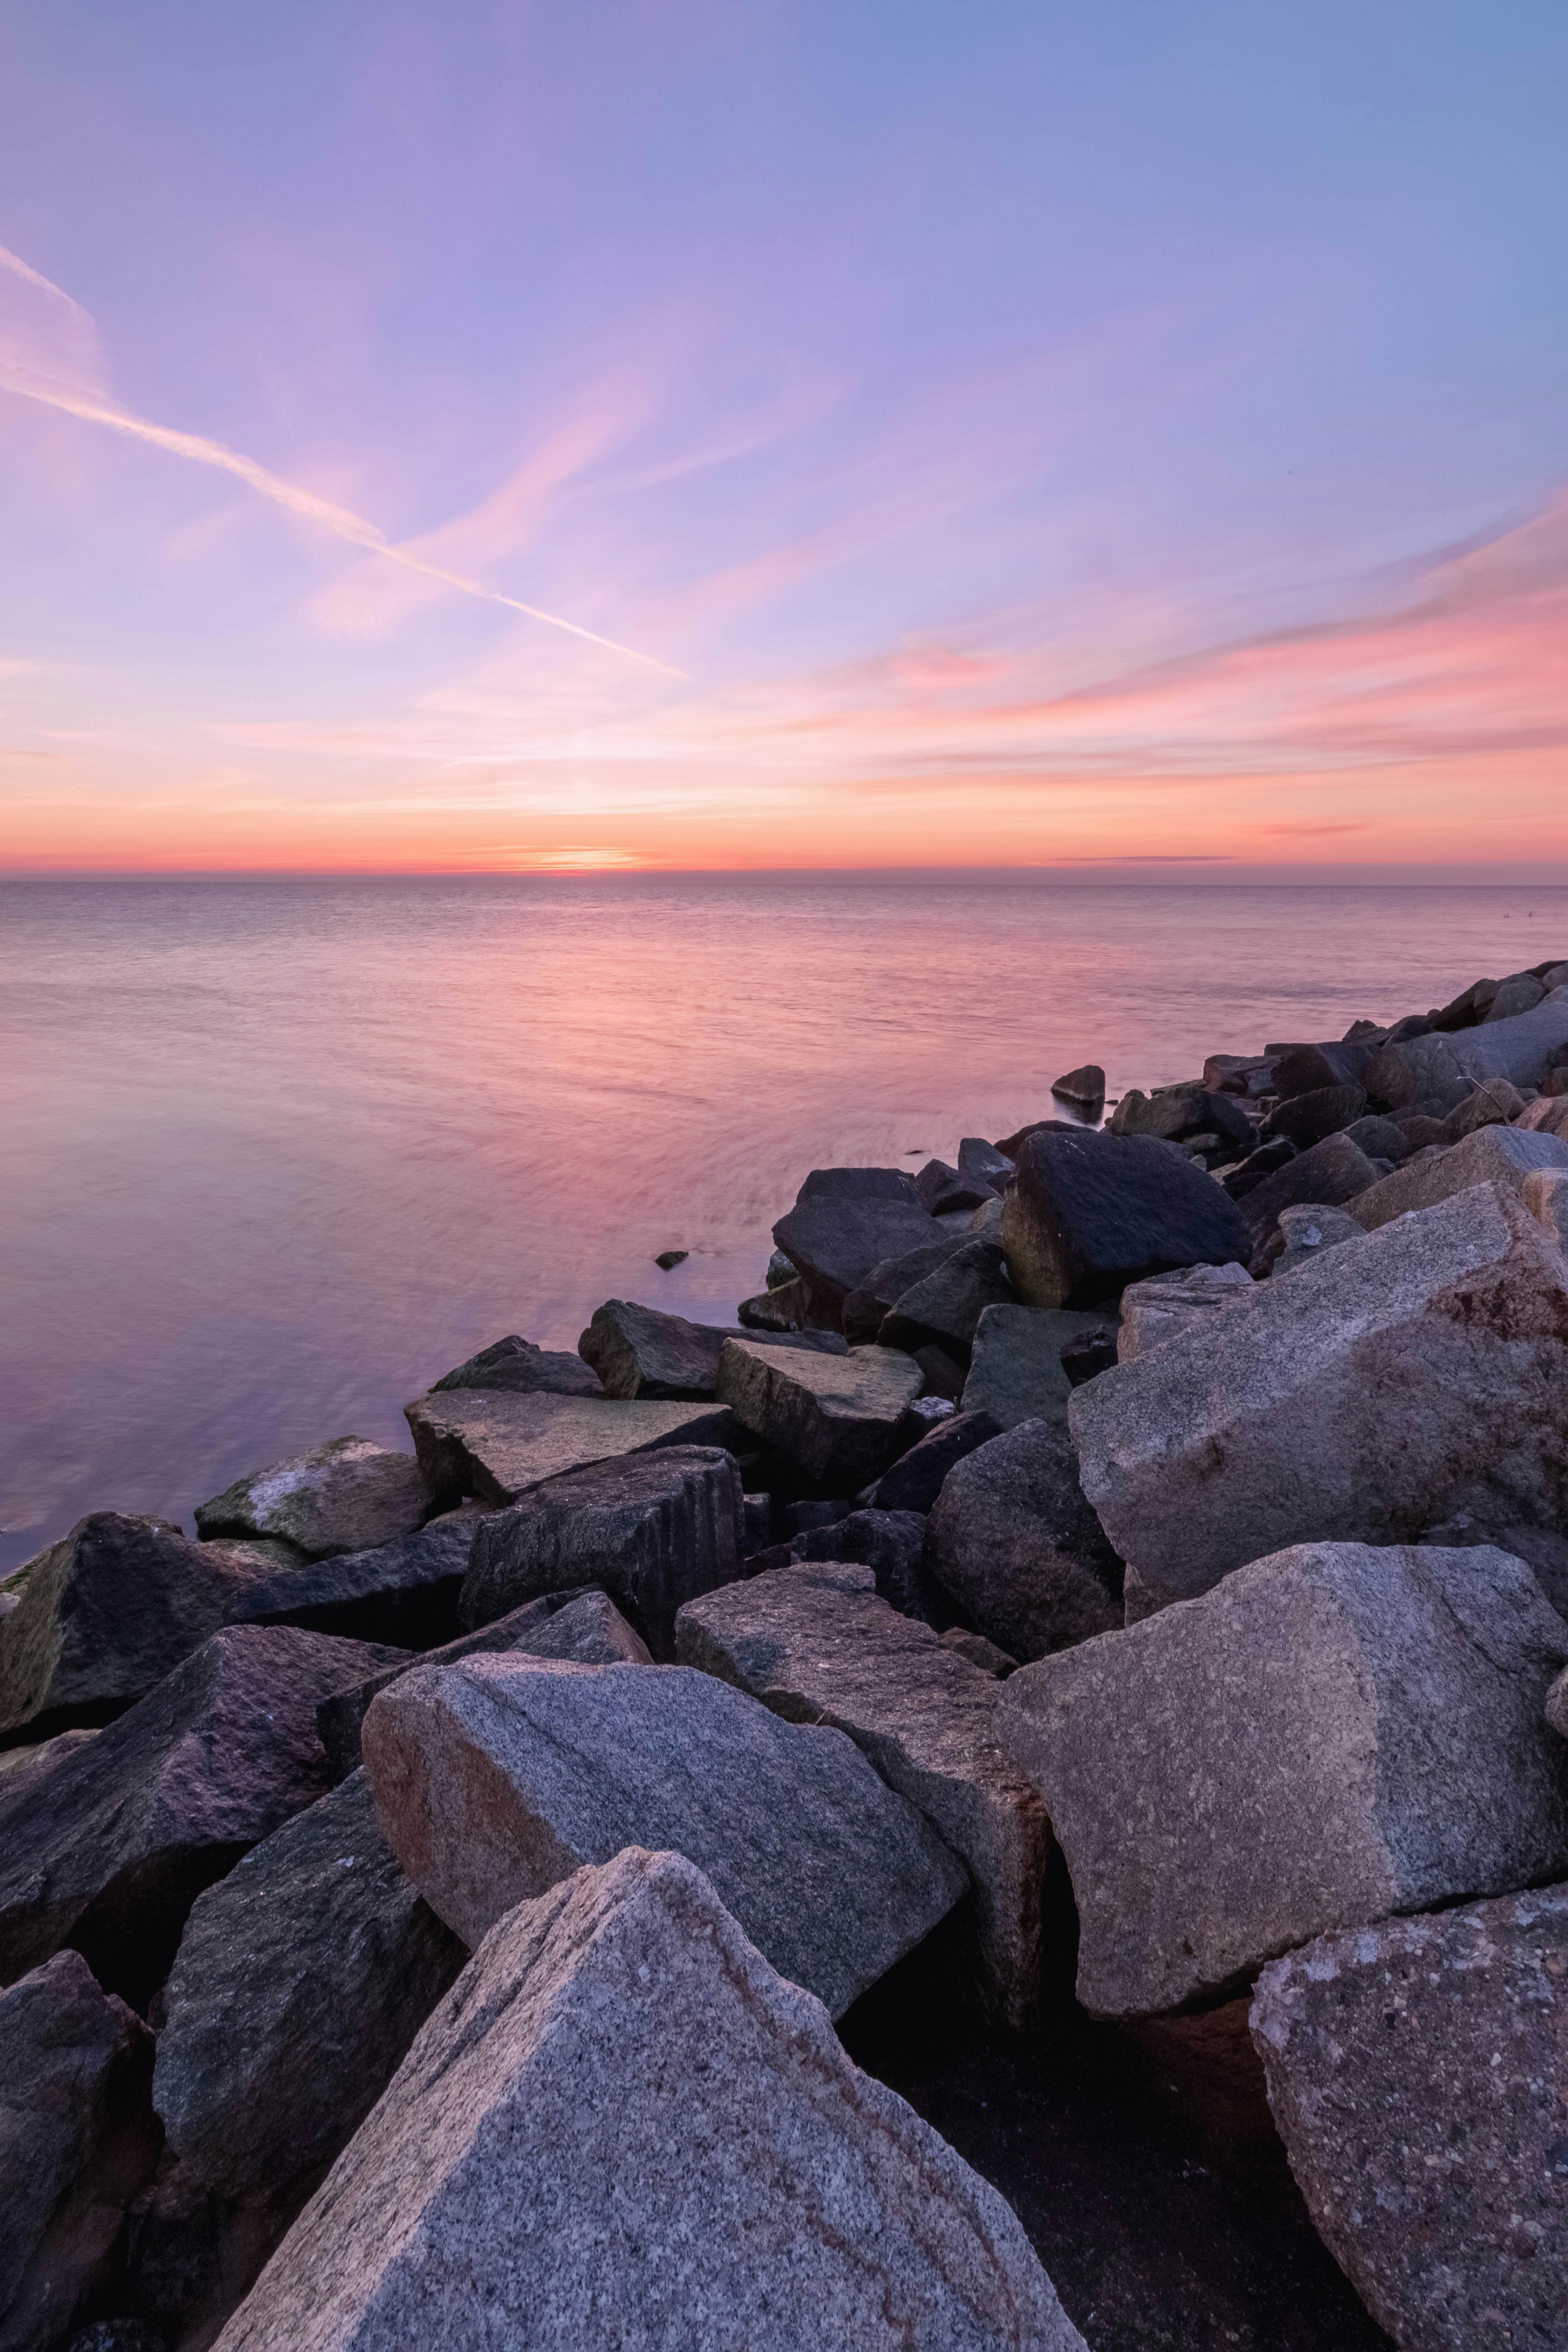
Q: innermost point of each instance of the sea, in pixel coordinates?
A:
(274, 1153)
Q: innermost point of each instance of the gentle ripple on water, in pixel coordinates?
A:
(278, 1152)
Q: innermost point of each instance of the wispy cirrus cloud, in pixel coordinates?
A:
(48, 354)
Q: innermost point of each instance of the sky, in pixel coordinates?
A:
(529, 437)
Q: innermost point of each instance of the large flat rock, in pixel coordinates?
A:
(1374, 1393)
(838, 1417)
(300, 1982)
(817, 1645)
(622, 2127)
(77, 2142)
(495, 1777)
(652, 1530)
(497, 1445)
(106, 1848)
(346, 1496)
(640, 1351)
(1331, 1735)
(1015, 1544)
(1416, 2070)
(1090, 1212)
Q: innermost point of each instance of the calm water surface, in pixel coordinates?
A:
(275, 1154)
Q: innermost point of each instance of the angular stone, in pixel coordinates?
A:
(891, 1544)
(1371, 1396)
(16, 1761)
(1545, 1195)
(651, 1530)
(1305, 1232)
(515, 1363)
(782, 1307)
(1308, 1119)
(1422, 1072)
(979, 1652)
(1016, 1372)
(837, 1417)
(346, 1496)
(1331, 1173)
(1489, 1155)
(978, 1157)
(944, 1310)
(1157, 1309)
(1265, 1161)
(817, 1646)
(915, 1480)
(1013, 1542)
(621, 2127)
(1518, 1048)
(106, 1613)
(636, 1352)
(1090, 1212)
(590, 1628)
(1416, 2071)
(404, 1593)
(1173, 1113)
(1333, 1734)
(76, 2141)
(1084, 1087)
(1297, 1070)
(942, 1189)
(1548, 1114)
(868, 1305)
(497, 1447)
(1380, 1138)
(1493, 1104)
(108, 1848)
(300, 1982)
(497, 1778)
(846, 1221)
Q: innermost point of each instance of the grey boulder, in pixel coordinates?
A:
(837, 1417)
(106, 1848)
(300, 1982)
(1013, 1541)
(1375, 1394)
(1489, 1155)
(637, 1351)
(1015, 1371)
(77, 2142)
(621, 2127)
(1520, 1049)
(1333, 1734)
(346, 1496)
(868, 1305)
(517, 1364)
(1163, 1304)
(497, 1778)
(1416, 2071)
(944, 1310)
(1305, 1232)
(497, 1446)
(845, 1222)
(819, 1646)
(1331, 1173)
(1090, 1212)
(651, 1530)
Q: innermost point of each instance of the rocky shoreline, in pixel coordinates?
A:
(1014, 1797)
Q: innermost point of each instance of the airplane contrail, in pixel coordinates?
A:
(342, 521)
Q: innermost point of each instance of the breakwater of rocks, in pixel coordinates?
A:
(1016, 1796)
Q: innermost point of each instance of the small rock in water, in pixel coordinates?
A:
(1085, 1087)
(667, 1259)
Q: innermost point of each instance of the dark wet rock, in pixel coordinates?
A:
(757, 1524)
(107, 1849)
(15, 1761)
(783, 1307)
(1009, 1146)
(942, 1375)
(515, 1363)
(76, 2141)
(1083, 1087)
(106, 1613)
(1308, 1119)
(837, 1417)
(915, 1480)
(866, 1308)
(497, 1778)
(1416, 2069)
(497, 1447)
(346, 1496)
(1335, 1733)
(1421, 1371)
(845, 1222)
(1091, 1354)
(300, 1982)
(1265, 1161)
(681, 2196)
(1381, 1138)
(1156, 1310)
(1332, 1173)
(817, 1645)
(404, 1592)
(944, 1309)
(1015, 1544)
(1504, 1156)
(650, 1530)
(1017, 1372)
(944, 1189)
(780, 1271)
(1311, 1069)
(1248, 1075)
(1090, 1212)
(637, 1351)
(1172, 1114)
(979, 1159)
(890, 1543)
(667, 1260)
